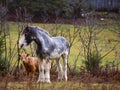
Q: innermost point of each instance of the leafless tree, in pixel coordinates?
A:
(93, 45)
(23, 16)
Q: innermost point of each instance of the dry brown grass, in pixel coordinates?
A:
(84, 81)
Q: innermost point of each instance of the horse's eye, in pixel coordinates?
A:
(25, 34)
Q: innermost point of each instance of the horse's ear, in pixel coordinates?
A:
(26, 27)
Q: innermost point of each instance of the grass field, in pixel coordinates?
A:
(103, 37)
(58, 86)
(74, 84)
(61, 85)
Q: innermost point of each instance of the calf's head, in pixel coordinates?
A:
(24, 58)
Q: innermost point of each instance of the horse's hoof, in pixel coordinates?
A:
(59, 80)
(40, 81)
(47, 81)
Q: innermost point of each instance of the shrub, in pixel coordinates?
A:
(92, 62)
(4, 64)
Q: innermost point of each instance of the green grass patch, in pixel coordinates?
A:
(62, 29)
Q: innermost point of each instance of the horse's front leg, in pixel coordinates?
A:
(47, 71)
(41, 77)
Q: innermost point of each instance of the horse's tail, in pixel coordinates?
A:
(68, 50)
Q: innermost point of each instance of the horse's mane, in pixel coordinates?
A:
(42, 30)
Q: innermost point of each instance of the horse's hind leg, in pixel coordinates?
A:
(65, 61)
(60, 71)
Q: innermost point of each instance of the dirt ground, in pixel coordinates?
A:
(86, 77)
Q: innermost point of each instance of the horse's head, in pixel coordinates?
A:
(27, 37)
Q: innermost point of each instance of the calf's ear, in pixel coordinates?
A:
(27, 55)
(19, 55)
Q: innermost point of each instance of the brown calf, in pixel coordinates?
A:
(31, 64)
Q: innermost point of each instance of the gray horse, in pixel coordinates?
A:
(47, 47)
